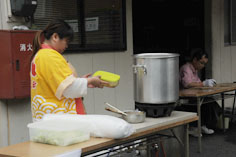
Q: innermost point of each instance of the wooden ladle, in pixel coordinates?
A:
(114, 109)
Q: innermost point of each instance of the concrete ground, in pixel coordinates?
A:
(220, 144)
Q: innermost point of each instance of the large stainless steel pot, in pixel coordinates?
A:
(156, 78)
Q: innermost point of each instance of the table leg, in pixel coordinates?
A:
(199, 124)
(223, 111)
(186, 140)
(177, 137)
(232, 113)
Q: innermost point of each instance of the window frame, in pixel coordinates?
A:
(81, 46)
(230, 24)
(227, 23)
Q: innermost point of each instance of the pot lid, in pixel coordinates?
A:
(156, 55)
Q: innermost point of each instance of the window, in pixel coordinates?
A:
(233, 22)
(99, 25)
(229, 22)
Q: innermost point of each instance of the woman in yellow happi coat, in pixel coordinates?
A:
(55, 87)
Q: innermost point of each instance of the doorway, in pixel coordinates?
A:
(168, 26)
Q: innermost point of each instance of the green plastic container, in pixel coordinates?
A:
(112, 78)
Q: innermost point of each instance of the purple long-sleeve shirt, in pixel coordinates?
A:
(187, 75)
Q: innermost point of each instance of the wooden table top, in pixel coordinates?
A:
(204, 91)
(150, 126)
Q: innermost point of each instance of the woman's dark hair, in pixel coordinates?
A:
(198, 54)
(58, 26)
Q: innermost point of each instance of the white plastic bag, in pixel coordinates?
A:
(98, 125)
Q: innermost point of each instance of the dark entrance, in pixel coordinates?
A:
(168, 26)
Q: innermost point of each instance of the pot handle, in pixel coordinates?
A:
(135, 67)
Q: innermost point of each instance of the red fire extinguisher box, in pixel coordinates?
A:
(15, 54)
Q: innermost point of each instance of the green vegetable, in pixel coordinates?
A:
(60, 138)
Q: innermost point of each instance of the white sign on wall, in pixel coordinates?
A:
(91, 24)
(73, 24)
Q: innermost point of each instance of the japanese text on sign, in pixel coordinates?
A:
(26, 47)
(91, 24)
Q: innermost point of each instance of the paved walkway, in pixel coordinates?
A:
(217, 145)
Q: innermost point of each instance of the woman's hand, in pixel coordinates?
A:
(86, 75)
(95, 81)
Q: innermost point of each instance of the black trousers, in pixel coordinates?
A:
(210, 111)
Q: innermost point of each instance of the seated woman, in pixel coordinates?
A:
(188, 78)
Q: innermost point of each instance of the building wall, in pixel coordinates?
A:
(223, 57)
(3, 124)
(16, 114)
